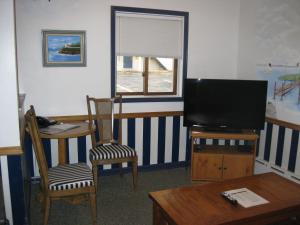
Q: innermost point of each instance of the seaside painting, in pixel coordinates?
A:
(64, 48)
(277, 56)
(283, 91)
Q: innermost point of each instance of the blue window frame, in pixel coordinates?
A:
(185, 15)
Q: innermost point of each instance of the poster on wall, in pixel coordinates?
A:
(64, 48)
(278, 57)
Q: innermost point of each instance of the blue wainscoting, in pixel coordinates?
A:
(279, 144)
(19, 211)
(159, 142)
(13, 190)
(163, 142)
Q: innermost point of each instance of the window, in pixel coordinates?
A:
(146, 76)
(149, 50)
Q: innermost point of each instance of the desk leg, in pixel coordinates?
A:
(61, 151)
(158, 218)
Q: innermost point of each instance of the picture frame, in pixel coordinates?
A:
(64, 48)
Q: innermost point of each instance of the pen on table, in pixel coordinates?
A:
(238, 192)
(229, 198)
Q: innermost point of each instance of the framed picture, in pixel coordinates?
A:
(64, 48)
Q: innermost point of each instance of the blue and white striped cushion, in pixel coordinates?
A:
(70, 176)
(111, 151)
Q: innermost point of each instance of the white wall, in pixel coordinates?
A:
(247, 49)
(278, 32)
(213, 49)
(269, 33)
(9, 129)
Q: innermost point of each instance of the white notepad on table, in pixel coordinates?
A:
(246, 197)
(58, 128)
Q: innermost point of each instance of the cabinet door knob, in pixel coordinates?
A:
(225, 168)
(220, 168)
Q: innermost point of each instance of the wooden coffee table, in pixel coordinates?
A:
(203, 204)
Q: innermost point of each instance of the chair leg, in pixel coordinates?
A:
(47, 204)
(93, 208)
(120, 169)
(134, 172)
(95, 174)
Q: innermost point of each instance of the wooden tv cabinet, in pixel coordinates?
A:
(221, 162)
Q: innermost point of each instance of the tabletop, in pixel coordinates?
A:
(204, 205)
(81, 130)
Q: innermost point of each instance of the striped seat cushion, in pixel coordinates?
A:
(70, 176)
(111, 151)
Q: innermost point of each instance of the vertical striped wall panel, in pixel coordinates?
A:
(293, 153)
(163, 140)
(13, 190)
(146, 141)
(278, 150)
(159, 141)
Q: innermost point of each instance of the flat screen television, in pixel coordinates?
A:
(225, 104)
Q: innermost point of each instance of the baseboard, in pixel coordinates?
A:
(146, 168)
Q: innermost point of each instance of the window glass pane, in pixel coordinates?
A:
(161, 75)
(130, 78)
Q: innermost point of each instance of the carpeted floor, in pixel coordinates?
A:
(117, 203)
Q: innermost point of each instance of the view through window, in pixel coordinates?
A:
(146, 75)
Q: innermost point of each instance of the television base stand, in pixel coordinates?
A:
(219, 130)
(211, 160)
(229, 131)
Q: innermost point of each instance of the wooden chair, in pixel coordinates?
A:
(105, 149)
(63, 181)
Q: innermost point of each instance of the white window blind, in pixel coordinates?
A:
(149, 35)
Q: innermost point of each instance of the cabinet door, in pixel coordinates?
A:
(207, 166)
(235, 166)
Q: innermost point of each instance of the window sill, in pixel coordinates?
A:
(152, 99)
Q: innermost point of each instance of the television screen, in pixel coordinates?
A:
(228, 104)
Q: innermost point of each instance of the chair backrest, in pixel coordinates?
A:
(101, 113)
(32, 128)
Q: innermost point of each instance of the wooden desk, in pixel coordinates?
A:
(203, 205)
(82, 130)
